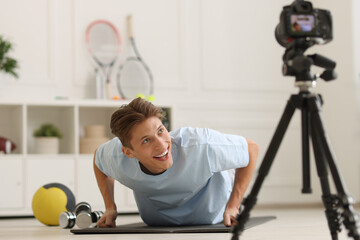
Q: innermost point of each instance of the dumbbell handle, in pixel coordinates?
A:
(82, 207)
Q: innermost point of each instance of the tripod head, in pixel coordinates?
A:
(295, 63)
(301, 26)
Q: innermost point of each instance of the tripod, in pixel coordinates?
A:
(338, 207)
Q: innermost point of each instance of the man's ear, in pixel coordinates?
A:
(128, 152)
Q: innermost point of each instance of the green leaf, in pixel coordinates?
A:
(47, 130)
(7, 64)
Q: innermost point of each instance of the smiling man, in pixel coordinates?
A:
(178, 178)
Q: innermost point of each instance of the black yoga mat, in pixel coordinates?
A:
(143, 228)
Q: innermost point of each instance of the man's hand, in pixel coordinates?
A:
(230, 216)
(242, 179)
(108, 219)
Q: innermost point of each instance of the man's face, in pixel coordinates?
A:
(151, 144)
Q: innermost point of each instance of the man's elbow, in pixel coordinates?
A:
(253, 148)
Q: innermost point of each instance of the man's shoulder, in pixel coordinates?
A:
(194, 132)
(111, 145)
(189, 136)
(112, 142)
(184, 132)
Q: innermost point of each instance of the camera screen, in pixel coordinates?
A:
(304, 23)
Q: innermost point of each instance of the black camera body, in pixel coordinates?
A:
(301, 20)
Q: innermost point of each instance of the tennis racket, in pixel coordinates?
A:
(103, 42)
(134, 78)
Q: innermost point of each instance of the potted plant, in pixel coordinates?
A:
(47, 139)
(7, 64)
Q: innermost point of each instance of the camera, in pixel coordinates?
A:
(301, 20)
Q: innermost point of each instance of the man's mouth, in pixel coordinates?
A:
(163, 156)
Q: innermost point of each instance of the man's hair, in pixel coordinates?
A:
(129, 115)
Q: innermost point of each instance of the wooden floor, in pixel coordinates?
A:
(291, 224)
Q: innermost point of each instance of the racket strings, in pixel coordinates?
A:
(134, 78)
(147, 69)
(104, 43)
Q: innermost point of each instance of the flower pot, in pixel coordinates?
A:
(47, 145)
(94, 137)
(89, 145)
(94, 131)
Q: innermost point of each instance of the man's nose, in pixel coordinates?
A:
(160, 143)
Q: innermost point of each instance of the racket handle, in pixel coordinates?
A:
(108, 90)
(130, 26)
(99, 85)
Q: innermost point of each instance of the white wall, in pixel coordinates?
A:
(216, 61)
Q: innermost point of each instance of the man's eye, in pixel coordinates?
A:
(161, 130)
(146, 140)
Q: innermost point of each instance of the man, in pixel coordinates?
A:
(178, 178)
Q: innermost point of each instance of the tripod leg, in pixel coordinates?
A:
(349, 216)
(250, 201)
(330, 201)
(305, 119)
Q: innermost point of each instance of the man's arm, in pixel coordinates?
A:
(242, 180)
(106, 186)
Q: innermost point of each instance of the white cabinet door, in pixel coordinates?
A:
(12, 183)
(42, 170)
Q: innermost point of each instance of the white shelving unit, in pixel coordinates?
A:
(23, 171)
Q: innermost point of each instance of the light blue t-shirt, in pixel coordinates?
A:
(194, 190)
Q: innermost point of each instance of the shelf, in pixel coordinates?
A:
(61, 116)
(90, 115)
(11, 124)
